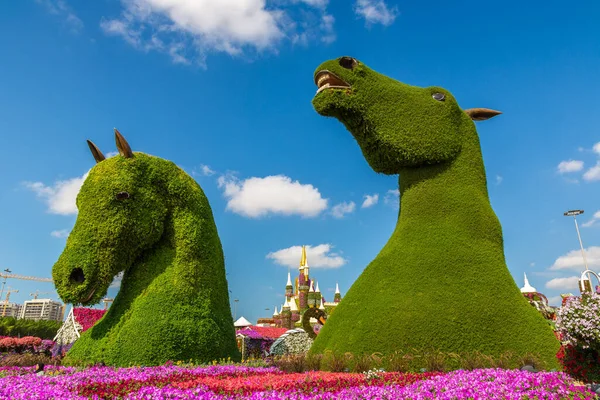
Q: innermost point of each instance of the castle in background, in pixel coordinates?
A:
(301, 296)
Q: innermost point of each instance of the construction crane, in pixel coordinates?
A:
(8, 274)
(107, 300)
(27, 278)
(37, 293)
(8, 292)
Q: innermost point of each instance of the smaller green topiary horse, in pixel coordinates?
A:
(146, 217)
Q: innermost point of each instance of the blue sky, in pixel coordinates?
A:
(224, 89)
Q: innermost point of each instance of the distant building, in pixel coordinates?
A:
(42, 309)
(10, 310)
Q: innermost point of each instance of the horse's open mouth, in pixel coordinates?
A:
(328, 80)
(89, 296)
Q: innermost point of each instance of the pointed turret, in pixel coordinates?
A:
(304, 262)
(337, 297)
(286, 315)
(275, 313)
(527, 288)
(312, 296)
(293, 305)
(318, 297)
(289, 289)
(322, 307)
(303, 257)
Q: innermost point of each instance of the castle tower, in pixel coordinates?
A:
(276, 318)
(318, 296)
(527, 288)
(295, 312)
(322, 306)
(286, 316)
(289, 289)
(337, 297)
(303, 282)
(304, 262)
(311, 296)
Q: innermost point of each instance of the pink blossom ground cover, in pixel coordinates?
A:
(239, 382)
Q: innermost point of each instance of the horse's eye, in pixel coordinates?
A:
(439, 96)
(348, 62)
(122, 196)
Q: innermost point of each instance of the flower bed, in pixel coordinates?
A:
(29, 344)
(237, 382)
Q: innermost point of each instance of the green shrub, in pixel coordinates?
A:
(441, 280)
(10, 326)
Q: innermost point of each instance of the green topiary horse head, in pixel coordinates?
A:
(145, 217)
(441, 280)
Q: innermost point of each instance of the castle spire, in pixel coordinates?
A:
(527, 288)
(303, 257)
(317, 289)
(337, 289)
(289, 282)
(311, 290)
(293, 305)
(321, 307)
(275, 313)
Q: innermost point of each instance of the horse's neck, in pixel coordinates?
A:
(456, 192)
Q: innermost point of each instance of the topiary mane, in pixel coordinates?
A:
(441, 280)
(144, 216)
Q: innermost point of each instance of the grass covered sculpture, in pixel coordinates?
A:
(441, 280)
(146, 217)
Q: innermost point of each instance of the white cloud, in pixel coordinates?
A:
(206, 170)
(188, 29)
(61, 196)
(319, 256)
(370, 200)
(258, 197)
(573, 260)
(61, 234)
(376, 11)
(392, 197)
(341, 209)
(569, 166)
(596, 148)
(564, 284)
(62, 9)
(595, 218)
(593, 174)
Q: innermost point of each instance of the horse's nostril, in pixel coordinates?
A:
(77, 276)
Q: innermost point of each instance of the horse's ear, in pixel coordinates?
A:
(481, 114)
(98, 156)
(122, 145)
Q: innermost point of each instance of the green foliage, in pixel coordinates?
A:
(441, 280)
(10, 326)
(413, 361)
(173, 303)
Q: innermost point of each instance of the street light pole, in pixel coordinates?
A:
(574, 213)
(235, 301)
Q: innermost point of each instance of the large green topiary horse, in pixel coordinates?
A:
(441, 280)
(146, 217)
